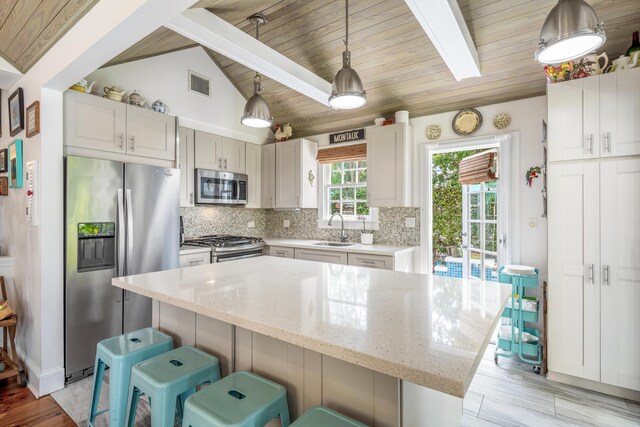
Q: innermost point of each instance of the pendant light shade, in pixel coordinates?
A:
(256, 111)
(571, 30)
(347, 91)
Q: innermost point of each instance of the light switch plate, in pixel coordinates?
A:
(410, 222)
(285, 223)
(251, 224)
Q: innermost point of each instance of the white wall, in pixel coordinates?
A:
(165, 77)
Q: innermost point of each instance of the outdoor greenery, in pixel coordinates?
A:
(447, 204)
(348, 189)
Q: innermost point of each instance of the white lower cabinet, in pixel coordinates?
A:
(321, 256)
(374, 261)
(280, 251)
(594, 270)
(198, 258)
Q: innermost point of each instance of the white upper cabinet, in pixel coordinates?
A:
(268, 184)
(389, 165)
(186, 166)
(254, 174)
(101, 124)
(233, 155)
(219, 153)
(595, 117)
(94, 122)
(295, 163)
(620, 113)
(150, 134)
(620, 259)
(208, 151)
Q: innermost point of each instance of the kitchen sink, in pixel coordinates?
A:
(333, 244)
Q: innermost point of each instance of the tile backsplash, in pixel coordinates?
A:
(202, 220)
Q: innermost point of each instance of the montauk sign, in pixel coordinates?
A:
(350, 135)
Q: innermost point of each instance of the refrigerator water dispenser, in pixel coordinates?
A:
(96, 246)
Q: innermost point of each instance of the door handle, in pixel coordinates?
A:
(127, 295)
(606, 275)
(607, 142)
(117, 292)
(129, 234)
(219, 162)
(591, 267)
(133, 143)
(191, 198)
(590, 143)
(121, 137)
(225, 163)
(121, 235)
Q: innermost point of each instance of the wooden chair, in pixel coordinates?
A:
(8, 325)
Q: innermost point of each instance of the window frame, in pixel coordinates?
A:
(324, 180)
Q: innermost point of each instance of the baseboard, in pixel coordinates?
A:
(41, 383)
(624, 393)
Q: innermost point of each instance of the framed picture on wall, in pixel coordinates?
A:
(4, 186)
(16, 112)
(33, 119)
(15, 164)
(3, 160)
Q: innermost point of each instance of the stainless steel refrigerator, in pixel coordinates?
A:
(120, 219)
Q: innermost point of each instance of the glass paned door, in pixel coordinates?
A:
(480, 244)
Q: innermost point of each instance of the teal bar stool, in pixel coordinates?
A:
(170, 377)
(239, 399)
(119, 354)
(319, 416)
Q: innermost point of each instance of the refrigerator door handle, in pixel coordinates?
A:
(129, 233)
(121, 235)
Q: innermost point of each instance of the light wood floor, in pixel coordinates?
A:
(509, 394)
(18, 407)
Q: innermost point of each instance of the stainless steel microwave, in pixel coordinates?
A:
(215, 187)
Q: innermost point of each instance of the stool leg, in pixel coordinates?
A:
(284, 414)
(132, 405)
(163, 411)
(97, 386)
(118, 388)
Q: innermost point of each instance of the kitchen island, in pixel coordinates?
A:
(384, 347)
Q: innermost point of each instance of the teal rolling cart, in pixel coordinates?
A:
(522, 310)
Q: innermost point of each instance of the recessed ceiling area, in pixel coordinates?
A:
(399, 67)
(28, 28)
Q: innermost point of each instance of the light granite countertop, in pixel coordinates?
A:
(431, 331)
(389, 250)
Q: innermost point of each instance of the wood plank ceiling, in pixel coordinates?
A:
(400, 68)
(28, 28)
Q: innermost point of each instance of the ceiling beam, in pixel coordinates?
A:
(444, 24)
(207, 29)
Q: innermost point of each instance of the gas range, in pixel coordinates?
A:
(227, 248)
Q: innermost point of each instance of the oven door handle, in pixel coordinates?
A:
(239, 257)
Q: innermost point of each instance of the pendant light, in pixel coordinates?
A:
(571, 30)
(347, 91)
(256, 111)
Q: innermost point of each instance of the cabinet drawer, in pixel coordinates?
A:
(281, 251)
(321, 256)
(195, 259)
(373, 261)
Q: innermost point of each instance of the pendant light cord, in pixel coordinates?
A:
(346, 40)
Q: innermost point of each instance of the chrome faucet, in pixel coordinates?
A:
(343, 236)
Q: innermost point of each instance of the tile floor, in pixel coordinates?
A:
(509, 394)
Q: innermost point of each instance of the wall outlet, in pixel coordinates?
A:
(251, 224)
(285, 223)
(410, 222)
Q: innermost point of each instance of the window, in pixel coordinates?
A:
(347, 189)
(480, 230)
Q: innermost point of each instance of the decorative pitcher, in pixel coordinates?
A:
(592, 63)
(625, 62)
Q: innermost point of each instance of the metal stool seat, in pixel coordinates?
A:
(120, 353)
(170, 377)
(319, 416)
(239, 399)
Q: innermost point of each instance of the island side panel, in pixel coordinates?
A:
(179, 323)
(216, 338)
(422, 406)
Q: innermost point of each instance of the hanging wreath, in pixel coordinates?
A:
(533, 172)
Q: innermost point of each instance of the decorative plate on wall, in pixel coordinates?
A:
(502, 121)
(433, 132)
(467, 121)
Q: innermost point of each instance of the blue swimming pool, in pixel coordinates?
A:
(452, 267)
